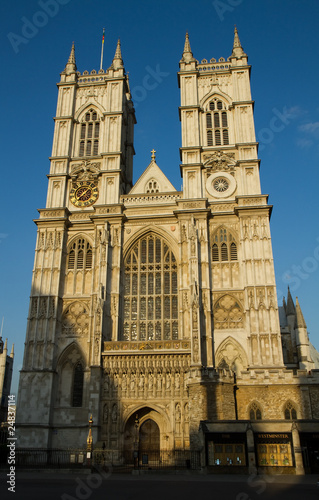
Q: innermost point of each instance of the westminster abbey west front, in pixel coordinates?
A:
(153, 309)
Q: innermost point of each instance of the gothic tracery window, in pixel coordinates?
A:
(255, 412)
(77, 389)
(290, 411)
(217, 123)
(228, 313)
(80, 255)
(150, 291)
(89, 134)
(224, 248)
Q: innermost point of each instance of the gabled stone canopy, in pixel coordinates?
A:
(145, 183)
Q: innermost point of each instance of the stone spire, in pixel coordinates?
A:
(290, 309)
(187, 53)
(284, 303)
(237, 48)
(117, 60)
(12, 352)
(299, 320)
(71, 65)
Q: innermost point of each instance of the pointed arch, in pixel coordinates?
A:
(254, 411)
(139, 415)
(216, 119)
(230, 354)
(223, 245)
(89, 122)
(79, 253)
(150, 229)
(290, 410)
(204, 102)
(150, 289)
(71, 351)
(81, 111)
(70, 368)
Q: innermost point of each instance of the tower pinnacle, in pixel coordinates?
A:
(237, 48)
(71, 65)
(290, 309)
(117, 60)
(300, 320)
(187, 53)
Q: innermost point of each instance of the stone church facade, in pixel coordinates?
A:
(155, 310)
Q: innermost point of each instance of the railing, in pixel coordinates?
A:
(148, 460)
(110, 460)
(49, 458)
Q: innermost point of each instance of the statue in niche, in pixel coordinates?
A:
(106, 384)
(193, 246)
(105, 414)
(150, 382)
(133, 382)
(115, 382)
(178, 412)
(177, 381)
(114, 413)
(168, 381)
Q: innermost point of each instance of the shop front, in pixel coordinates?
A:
(274, 450)
(226, 451)
(309, 442)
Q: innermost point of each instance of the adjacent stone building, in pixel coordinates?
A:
(154, 309)
(6, 368)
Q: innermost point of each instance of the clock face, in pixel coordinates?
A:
(84, 193)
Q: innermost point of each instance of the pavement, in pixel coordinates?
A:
(80, 485)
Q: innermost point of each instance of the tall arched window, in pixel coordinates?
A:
(290, 412)
(255, 412)
(80, 255)
(224, 248)
(77, 389)
(217, 123)
(89, 134)
(150, 291)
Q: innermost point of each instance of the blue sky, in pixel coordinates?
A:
(281, 40)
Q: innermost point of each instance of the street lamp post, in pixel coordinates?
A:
(89, 444)
(136, 424)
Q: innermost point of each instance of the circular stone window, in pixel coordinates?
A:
(220, 185)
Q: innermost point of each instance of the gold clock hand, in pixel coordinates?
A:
(83, 194)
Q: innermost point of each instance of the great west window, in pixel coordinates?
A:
(150, 291)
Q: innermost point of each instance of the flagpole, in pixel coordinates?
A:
(102, 49)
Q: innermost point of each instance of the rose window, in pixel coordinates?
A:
(221, 185)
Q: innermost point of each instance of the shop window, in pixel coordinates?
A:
(274, 451)
(226, 454)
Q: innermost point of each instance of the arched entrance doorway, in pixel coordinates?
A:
(149, 437)
(142, 436)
